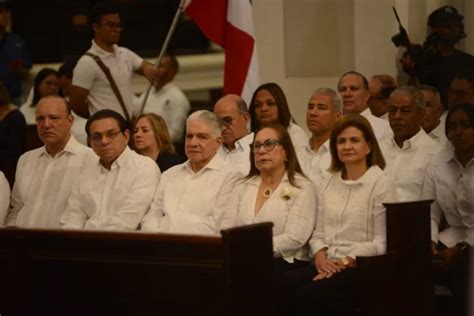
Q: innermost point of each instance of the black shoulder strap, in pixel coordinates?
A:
(107, 73)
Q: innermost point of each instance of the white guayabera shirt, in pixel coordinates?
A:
(43, 185)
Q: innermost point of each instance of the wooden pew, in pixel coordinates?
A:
(54, 272)
(400, 283)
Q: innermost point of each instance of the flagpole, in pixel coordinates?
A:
(163, 49)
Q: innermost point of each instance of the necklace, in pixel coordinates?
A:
(267, 192)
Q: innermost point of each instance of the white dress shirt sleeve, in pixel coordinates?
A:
(299, 223)
(4, 197)
(151, 221)
(384, 192)
(212, 223)
(16, 201)
(429, 192)
(317, 241)
(137, 201)
(75, 217)
(84, 73)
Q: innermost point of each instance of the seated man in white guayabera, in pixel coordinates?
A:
(45, 176)
(235, 148)
(410, 149)
(114, 190)
(323, 112)
(192, 197)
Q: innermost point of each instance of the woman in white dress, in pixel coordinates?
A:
(351, 218)
(277, 191)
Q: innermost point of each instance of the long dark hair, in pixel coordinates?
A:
(291, 164)
(284, 115)
(42, 74)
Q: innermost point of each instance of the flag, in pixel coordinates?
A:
(229, 23)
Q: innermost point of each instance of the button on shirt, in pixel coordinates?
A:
(406, 166)
(191, 202)
(239, 158)
(292, 211)
(114, 199)
(351, 217)
(4, 197)
(315, 165)
(171, 104)
(43, 185)
(88, 75)
(451, 186)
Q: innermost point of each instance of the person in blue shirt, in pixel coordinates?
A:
(15, 57)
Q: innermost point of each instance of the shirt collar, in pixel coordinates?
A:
(438, 131)
(412, 142)
(102, 53)
(323, 147)
(72, 147)
(369, 176)
(451, 157)
(120, 161)
(216, 163)
(244, 142)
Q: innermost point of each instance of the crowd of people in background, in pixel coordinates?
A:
(109, 161)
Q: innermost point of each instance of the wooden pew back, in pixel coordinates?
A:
(90, 273)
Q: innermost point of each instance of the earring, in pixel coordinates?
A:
(286, 159)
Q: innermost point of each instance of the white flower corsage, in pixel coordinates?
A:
(286, 194)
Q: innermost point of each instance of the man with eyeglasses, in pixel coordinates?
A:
(192, 197)
(115, 190)
(323, 112)
(91, 90)
(232, 109)
(45, 176)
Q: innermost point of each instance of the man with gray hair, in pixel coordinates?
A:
(323, 112)
(232, 109)
(191, 197)
(433, 124)
(410, 149)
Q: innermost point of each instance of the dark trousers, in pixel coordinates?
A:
(338, 295)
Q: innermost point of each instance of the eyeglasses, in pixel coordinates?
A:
(268, 145)
(110, 135)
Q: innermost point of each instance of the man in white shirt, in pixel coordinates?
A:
(410, 149)
(354, 90)
(323, 112)
(232, 109)
(192, 197)
(380, 87)
(45, 176)
(115, 190)
(91, 90)
(166, 99)
(433, 124)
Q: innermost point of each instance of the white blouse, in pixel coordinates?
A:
(292, 210)
(452, 187)
(351, 218)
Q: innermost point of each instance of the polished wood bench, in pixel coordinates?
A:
(55, 272)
